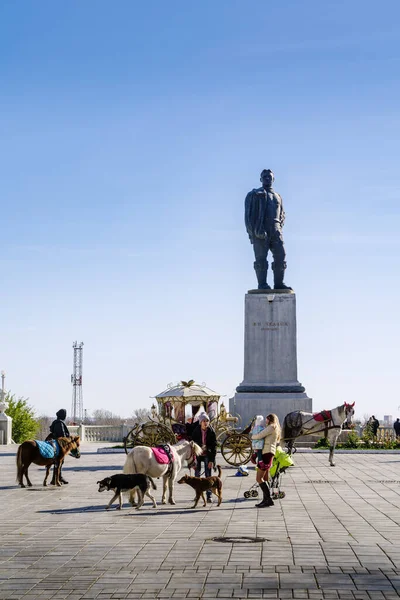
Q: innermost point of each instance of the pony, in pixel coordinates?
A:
(141, 459)
(29, 453)
(329, 422)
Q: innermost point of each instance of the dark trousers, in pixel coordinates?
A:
(274, 243)
(207, 470)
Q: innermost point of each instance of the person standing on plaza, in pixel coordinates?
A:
(204, 435)
(271, 436)
(257, 445)
(374, 425)
(396, 427)
(59, 429)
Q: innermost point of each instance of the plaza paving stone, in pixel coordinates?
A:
(335, 535)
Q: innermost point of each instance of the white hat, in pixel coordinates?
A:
(204, 417)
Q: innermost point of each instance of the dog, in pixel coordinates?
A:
(125, 483)
(202, 484)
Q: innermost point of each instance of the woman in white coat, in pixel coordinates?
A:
(271, 436)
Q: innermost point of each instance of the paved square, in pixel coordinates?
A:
(335, 535)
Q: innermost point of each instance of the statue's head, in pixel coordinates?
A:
(267, 178)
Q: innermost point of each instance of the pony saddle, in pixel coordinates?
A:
(323, 416)
(163, 454)
(49, 449)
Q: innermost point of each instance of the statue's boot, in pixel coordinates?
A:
(267, 500)
(279, 272)
(261, 268)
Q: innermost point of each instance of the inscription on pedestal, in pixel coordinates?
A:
(270, 325)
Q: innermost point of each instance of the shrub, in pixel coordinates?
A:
(24, 423)
(322, 443)
(353, 441)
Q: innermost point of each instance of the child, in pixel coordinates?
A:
(257, 444)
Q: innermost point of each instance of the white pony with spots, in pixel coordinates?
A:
(329, 422)
(141, 459)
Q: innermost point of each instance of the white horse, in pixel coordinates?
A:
(329, 422)
(141, 459)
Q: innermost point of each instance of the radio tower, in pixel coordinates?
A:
(76, 380)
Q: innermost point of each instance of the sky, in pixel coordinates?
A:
(130, 133)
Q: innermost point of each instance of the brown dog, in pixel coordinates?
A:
(202, 484)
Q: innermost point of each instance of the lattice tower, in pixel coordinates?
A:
(76, 380)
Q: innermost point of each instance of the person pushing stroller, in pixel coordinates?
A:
(270, 437)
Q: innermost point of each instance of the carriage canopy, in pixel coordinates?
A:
(176, 397)
(190, 392)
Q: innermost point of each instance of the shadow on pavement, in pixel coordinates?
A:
(132, 512)
(77, 509)
(105, 468)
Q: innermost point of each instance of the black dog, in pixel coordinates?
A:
(125, 483)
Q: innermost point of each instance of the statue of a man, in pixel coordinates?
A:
(264, 218)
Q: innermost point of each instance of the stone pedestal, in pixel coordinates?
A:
(270, 381)
(5, 428)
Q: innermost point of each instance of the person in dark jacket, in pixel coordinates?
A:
(396, 427)
(204, 435)
(374, 424)
(59, 429)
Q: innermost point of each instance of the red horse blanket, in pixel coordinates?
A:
(324, 415)
(162, 455)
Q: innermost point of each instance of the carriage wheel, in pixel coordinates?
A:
(153, 434)
(254, 493)
(236, 449)
(129, 439)
(247, 494)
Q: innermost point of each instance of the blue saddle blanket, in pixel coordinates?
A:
(49, 449)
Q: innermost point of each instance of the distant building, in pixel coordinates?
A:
(388, 420)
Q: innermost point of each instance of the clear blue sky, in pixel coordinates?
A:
(130, 134)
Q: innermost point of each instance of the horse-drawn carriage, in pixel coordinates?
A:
(182, 404)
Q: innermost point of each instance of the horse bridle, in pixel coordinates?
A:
(348, 411)
(75, 452)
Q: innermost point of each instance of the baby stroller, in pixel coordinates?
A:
(281, 462)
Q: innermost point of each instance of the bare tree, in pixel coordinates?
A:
(105, 417)
(365, 418)
(139, 415)
(44, 427)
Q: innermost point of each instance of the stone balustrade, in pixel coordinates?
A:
(100, 433)
(385, 433)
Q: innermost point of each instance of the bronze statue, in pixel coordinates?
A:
(264, 218)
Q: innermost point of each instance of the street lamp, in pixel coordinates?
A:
(3, 403)
(3, 392)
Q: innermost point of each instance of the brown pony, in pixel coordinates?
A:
(28, 453)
